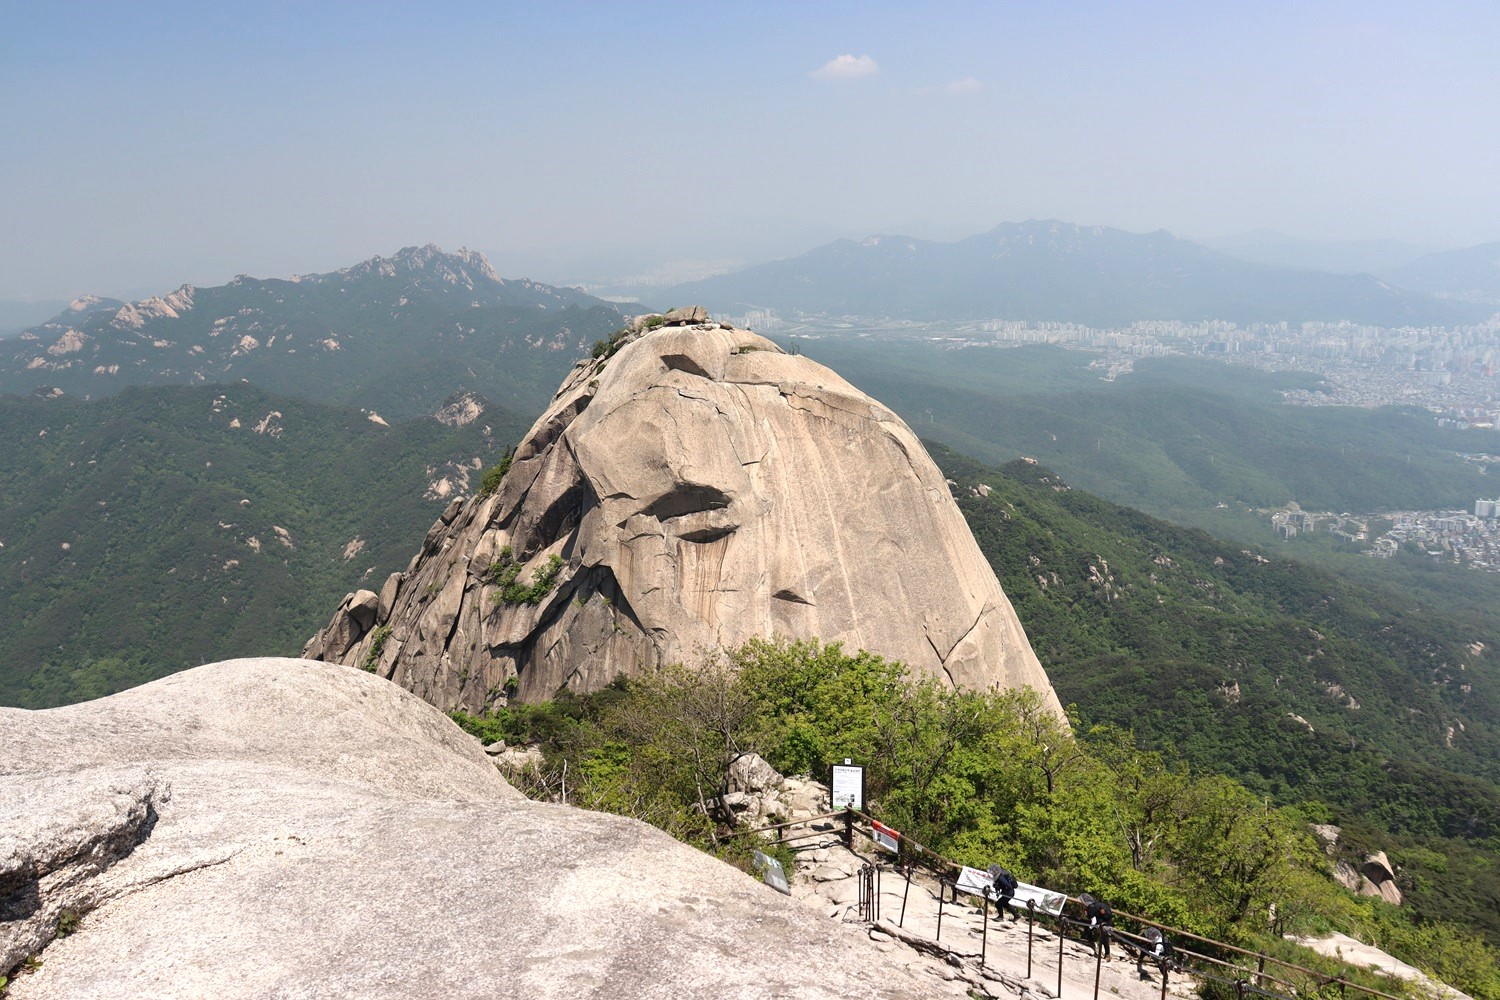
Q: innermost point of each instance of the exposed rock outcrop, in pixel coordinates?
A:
(1379, 878)
(692, 487)
(280, 828)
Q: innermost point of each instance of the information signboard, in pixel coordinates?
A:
(886, 837)
(848, 785)
(978, 883)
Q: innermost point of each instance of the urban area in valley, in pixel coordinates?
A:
(1453, 372)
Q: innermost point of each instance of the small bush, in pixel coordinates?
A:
(505, 573)
(495, 474)
(377, 645)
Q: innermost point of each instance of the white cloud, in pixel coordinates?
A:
(964, 85)
(846, 67)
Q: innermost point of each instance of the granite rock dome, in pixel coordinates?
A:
(691, 488)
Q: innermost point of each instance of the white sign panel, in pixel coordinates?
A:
(978, 883)
(886, 837)
(848, 786)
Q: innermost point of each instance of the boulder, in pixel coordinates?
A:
(751, 773)
(1378, 872)
(1348, 876)
(686, 316)
(350, 623)
(276, 828)
(696, 489)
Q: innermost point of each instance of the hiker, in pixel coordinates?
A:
(1101, 918)
(1159, 950)
(1002, 890)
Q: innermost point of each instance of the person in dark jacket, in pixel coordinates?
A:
(1158, 950)
(1101, 919)
(1002, 890)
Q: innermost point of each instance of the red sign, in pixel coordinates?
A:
(885, 836)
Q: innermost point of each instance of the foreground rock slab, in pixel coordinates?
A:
(285, 828)
(691, 488)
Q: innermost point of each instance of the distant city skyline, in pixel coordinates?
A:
(163, 143)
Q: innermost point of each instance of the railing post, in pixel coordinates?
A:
(1163, 969)
(942, 891)
(877, 893)
(1060, 940)
(984, 932)
(1260, 971)
(1098, 965)
(1030, 926)
(904, 893)
(848, 828)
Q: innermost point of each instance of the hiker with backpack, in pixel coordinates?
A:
(1002, 890)
(1159, 950)
(1101, 918)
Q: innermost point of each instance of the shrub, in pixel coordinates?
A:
(377, 645)
(495, 474)
(505, 573)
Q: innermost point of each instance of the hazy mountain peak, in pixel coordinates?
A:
(92, 303)
(464, 267)
(373, 329)
(169, 306)
(1051, 270)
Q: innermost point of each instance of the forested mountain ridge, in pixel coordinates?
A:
(395, 334)
(1296, 682)
(1057, 271)
(170, 526)
(1176, 436)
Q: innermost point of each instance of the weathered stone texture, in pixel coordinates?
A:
(701, 487)
(283, 828)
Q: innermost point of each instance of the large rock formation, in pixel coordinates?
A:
(283, 828)
(690, 488)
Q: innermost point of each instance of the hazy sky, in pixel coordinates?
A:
(146, 144)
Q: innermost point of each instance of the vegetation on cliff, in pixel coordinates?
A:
(1301, 685)
(980, 777)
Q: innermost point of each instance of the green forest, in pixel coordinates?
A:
(1239, 664)
(979, 777)
(167, 527)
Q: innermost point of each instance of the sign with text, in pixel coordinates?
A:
(978, 883)
(848, 786)
(886, 837)
(771, 872)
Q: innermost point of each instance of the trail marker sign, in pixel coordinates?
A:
(847, 785)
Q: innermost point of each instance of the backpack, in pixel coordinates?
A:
(1004, 882)
(1096, 909)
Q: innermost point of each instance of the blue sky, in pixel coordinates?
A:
(148, 144)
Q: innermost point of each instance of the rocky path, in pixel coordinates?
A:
(826, 878)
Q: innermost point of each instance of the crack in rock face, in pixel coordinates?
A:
(695, 489)
(57, 837)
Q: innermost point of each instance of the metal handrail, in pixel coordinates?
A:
(1261, 957)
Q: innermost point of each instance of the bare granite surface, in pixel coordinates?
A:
(278, 828)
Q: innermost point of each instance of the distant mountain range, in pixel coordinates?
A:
(1057, 271)
(1265, 246)
(391, 334)
(1468, 275)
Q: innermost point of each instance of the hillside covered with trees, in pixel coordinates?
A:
(167, 527)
